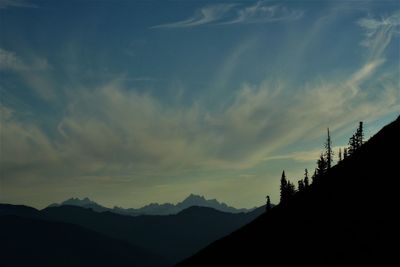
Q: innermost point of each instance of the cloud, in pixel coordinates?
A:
(202, 16)
(33, 70)
(262, 12)
(4, 4)
(379, 32)
(223, 14)
(304, 156)
(11, 62)
(111, 131)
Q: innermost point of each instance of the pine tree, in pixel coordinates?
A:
(356, 140)
(328, 151)
(284, 185)
(352, 145)
(291, 190)
(322, 165)
(345, 153)
(268, 206)
(306, 181)
(340, 154)
(314, 176)
(360, 135)
(301, 185)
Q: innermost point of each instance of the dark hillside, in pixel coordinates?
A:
(31, 242)
(347, 218)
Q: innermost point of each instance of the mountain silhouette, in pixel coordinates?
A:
(347, 218)
(84, 203)
(174, 237)
(33, 242)
(154, 208)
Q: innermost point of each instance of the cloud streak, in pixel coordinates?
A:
(228, 14)
(261, 12)
(34, 71)
(379, 32)
(10, 61)
(4, 4)
(205, 15)
(111, 131)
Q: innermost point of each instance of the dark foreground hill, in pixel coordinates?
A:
(174, 237)
(347, 218)
(32, 242)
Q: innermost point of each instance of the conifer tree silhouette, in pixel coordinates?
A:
(322, 165)
(306, 180)
(360, 134)
(340, 155)
(268, 206)
(352, 145)
(314, 176)
(328, 151)
(291, 190)
(301, 185)
(284, 185)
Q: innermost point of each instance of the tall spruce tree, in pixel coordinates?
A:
(291, 190)
(322, 165)
(328, 151)
(352, 145)
(340, 154)
(268, 206)
(306, 180)
(301, 185)
(314, 176)
(360, 134)
(284, 186)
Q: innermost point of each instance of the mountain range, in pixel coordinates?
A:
(154, 208)
(169, 237)
(348, 217)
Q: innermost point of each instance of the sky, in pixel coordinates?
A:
(133, 102)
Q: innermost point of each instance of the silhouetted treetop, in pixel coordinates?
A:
(268, 206)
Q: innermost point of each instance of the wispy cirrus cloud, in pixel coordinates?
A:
(33, 71)
(111, 131)
(9, 60)
(379, 32)
(262, 12)
(225, 14)
(205, 15)
(4, 4)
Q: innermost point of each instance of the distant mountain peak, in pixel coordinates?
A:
(194, 198)
(84, 203)
(154, 208)
(201, 201)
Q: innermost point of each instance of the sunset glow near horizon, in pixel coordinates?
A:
(133, 102)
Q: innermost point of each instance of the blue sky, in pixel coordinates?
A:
(131, 102)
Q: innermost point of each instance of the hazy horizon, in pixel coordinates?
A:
(135, 102)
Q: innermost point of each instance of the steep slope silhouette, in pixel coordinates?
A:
(347, 218)
(174, 237)
(32, 242)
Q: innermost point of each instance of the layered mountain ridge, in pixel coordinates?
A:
(154, 208)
